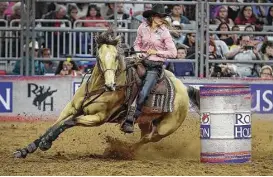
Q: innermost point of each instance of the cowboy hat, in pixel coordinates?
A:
(157, 9)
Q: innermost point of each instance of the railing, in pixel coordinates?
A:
(73, 39)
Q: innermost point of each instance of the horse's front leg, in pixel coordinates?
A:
(64, 121)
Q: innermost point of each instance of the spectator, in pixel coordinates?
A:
(93, 13)
(82, 9)
(59, 14)
(221, 46)
(177, 15)
(267, 51)
(222, 16)
(67, 68)
(233, 11)
(266, 72)
(49, 66)
(269, 16)
(134, 9)
(224, 37)
(121, 15)
(38, 66)
(178, 37)
(107, 10)
(16, 13)
(246, 51)
(246, 17)
(140, 17)
(73, 14)
(190, 42)
(235, 37)
(3, 7)
(181, 68)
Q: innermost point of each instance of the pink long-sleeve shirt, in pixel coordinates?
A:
(159, 40)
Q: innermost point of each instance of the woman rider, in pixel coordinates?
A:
(153, 38)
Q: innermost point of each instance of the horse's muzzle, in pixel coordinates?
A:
(111, 87)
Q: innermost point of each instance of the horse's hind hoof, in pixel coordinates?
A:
(20, 153)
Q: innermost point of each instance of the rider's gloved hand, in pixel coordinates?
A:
(139, 55)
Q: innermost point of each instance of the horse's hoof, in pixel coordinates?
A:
(20, 153)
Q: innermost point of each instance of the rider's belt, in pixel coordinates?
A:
(152, 64)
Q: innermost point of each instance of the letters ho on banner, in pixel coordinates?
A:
(242, 126)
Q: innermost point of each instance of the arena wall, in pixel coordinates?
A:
(43, 98)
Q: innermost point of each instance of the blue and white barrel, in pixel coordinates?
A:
(225, 129)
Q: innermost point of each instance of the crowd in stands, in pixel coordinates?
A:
(239, 47)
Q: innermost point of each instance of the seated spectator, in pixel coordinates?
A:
(16, 13)
(246, 51)
(221, 46)
(269, 16)
(82, 9)
(107, 10)
(178, 37)
(72, 14)
(246, 17)
(38, 65)
(183, 68)
(225, 37)
(139, 16)
(60, 14)
(266, 72)
(93, 13)
(49, 66)
(267, 51)
(190, 42)
(8, 11)
(234, 10)
(3, 8)
(67, 68)
(121, 15)
(177, 15)
(134, 9)
(235, 37)
(222, 16)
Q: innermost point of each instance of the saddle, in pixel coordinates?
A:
(161, 97)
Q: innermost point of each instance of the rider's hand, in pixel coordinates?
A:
(139, 55)
(151, 52)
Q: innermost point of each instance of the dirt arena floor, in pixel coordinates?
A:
(81, 151)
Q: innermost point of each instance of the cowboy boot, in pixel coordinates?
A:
(149, 83)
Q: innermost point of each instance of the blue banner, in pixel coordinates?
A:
(5, 97)
(262, 96)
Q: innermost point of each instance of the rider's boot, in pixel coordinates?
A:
(149, 83)
(53, 133)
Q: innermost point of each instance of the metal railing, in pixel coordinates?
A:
(72, 39)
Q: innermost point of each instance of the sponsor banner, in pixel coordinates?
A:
(75, 86)
(262, 97)
(242, 126)
(205, 132)
(34, 98)
(6, 97)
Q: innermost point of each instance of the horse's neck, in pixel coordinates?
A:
(97, 79)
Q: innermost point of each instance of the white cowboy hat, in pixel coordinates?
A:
(36, 45)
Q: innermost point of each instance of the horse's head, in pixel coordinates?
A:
(110, 58)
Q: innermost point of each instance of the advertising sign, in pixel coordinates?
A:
(5, 97)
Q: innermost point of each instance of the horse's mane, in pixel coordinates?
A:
(108, 38)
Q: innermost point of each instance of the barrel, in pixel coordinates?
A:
(225, 128)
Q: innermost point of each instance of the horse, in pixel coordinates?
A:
(101, 99)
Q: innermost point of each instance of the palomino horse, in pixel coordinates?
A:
(104, 95)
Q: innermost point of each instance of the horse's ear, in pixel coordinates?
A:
(118, 39)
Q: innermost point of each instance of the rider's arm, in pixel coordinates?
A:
(138, 41)
(170, 49)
